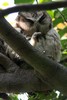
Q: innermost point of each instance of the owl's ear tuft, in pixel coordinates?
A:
(41, 18)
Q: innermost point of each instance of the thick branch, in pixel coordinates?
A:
(46, 6)
(56, 74)
(11, 82)
(21, 81)
(7, 64)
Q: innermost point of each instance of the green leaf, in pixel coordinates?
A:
(64, 12)
(56, 14)
(43, 1)
(61, 14)
(51, 13)
(13, 96)
(24, 1)
(5, 4)
(64, 44)
(64, 62)
(63, 31)
(57, 21)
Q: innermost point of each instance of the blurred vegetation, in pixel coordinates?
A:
(59, 17)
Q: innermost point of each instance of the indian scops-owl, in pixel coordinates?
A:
(38, 29)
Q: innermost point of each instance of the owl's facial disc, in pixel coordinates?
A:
(24, 23)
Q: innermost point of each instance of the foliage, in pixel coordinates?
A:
(60, 23)
(43, 1)
(24, 1)
(13, 97)
(30, 1)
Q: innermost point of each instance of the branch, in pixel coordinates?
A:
(28, 77)
(7, 64)
(21, 81)
(55, 73)
(35, 7)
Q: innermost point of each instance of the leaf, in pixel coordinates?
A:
(64, 59)
(63, 31)
(57, 21)
(43, 1)
(58, 18)
(64, 44)
(51, 13)
(61, 14)
(23, 1)
(56, 14)
(64, 12)
(13, 96)
(5, 4)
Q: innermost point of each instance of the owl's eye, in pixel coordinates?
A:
(31, 22)
(26, 20)
(42, 19)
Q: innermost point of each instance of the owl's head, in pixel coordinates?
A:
(31, 22)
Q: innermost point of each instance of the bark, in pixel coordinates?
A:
(55, 73)
(16, 79)
(7, 65)
(35, 7)
(21, 81)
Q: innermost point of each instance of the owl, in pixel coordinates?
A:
(37, 28)
(34, 22)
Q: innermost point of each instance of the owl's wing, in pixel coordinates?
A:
(50, 46)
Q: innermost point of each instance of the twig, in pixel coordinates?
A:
(35, 7)
(62, 15)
